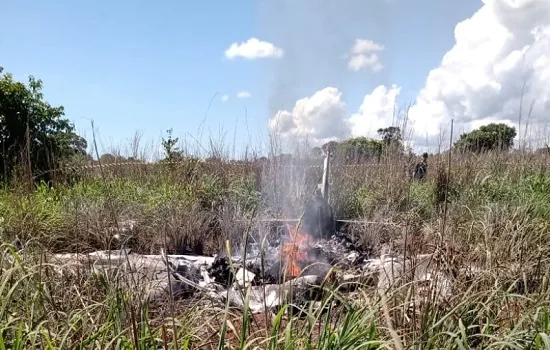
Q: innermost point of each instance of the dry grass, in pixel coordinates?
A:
(497, 221)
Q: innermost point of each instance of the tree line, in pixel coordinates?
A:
(491, 137)
(36, 136)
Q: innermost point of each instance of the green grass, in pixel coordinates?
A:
(93, 312)
(498, 219)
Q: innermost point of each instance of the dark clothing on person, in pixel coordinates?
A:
(420, 170)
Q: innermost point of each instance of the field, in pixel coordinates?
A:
(490, 210)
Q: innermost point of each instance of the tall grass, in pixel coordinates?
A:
(494, 244)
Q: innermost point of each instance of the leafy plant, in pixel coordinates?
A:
(31, 130)
(488, 137)
(171, 151)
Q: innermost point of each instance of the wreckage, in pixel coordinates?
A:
(307, 256)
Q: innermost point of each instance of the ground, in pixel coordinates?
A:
(493, 217)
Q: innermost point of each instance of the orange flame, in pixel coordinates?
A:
(295, 251)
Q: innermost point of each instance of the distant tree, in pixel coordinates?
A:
(543, 151)
(171, 151)
(360, 148)
(390, 134)
(330, 146)
(88, 158)
(284, 158)
(31, 130)
(316, 152)
(391, 139)
(214, 159)
(108, 158)
(487, 138)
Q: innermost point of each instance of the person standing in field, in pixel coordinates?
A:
(421, 168)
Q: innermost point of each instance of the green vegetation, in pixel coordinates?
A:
(362, 149)
(489, 210)
(33, 133)
(487, 137)
(497, 219)
(171, 150)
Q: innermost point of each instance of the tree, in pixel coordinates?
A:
(172, 153)
(391, 138)
(316, 152)
(108, 158)
(390, 134)
(543, 151)
(330, 146)
(32, 132)
(487, 138)
(360, 148)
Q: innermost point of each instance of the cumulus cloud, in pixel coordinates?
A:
(324, 116)
(243, 94)
(378, 110)
(497, 70)
(364, 56)
(253, 49)
(500, 60)
(224, 98)
(320, 118)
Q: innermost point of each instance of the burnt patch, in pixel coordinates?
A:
(221, 271)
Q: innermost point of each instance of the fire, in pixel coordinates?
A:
(295, 251)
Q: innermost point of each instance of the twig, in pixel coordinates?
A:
(396, 339)
(449, 164)
(97, 151)
(167, 263)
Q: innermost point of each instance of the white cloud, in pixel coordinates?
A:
(225, 98)
(324, 116)
(319, 118)
(364, 55)
(378, 110)
(253, 49)
(243, 94)
(501, 56)
(362, 46)
(502, 47)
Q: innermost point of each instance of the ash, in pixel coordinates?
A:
(258, 272)
(342, 251)
(262, 269)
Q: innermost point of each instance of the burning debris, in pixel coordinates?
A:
(295, 252)
(295, 272)
(220, 271)
(293, 268)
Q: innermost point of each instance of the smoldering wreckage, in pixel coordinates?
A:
(296, 263)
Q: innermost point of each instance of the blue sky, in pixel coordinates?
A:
(149, 66)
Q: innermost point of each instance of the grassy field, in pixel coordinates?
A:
(496, 216)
